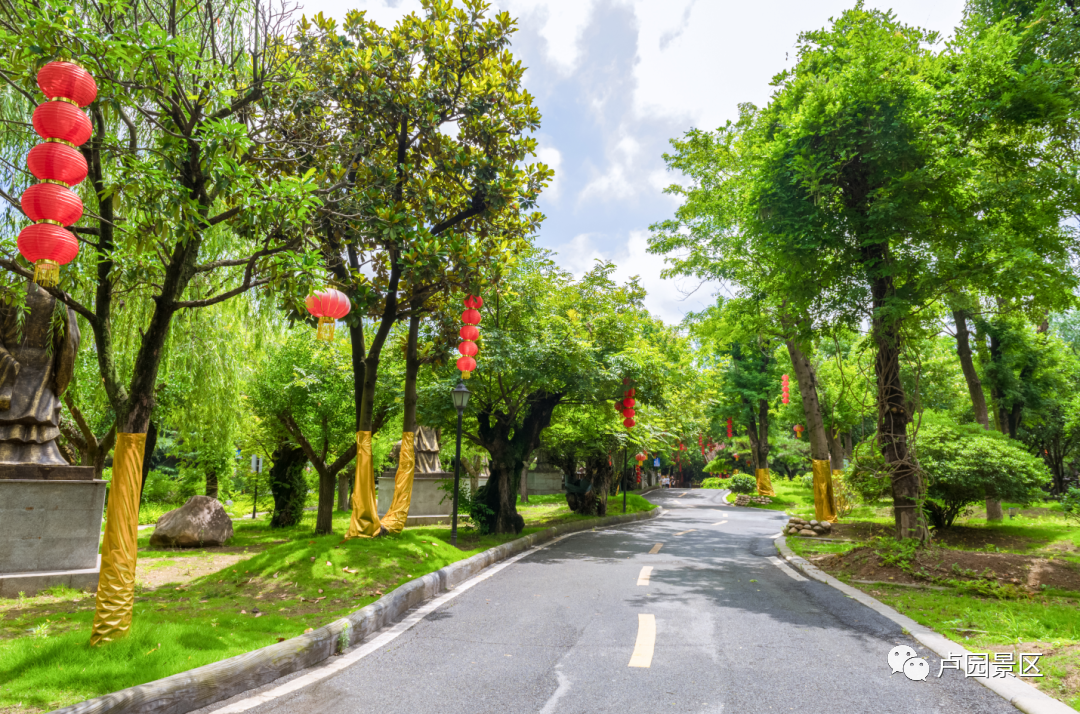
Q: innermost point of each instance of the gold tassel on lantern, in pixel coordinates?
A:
(326, 329)
(396, 515)
(47, 273)
(365, 512)
(119, 547)
(764, 483)
(824, 501)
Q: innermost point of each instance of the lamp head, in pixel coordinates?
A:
(460, 395)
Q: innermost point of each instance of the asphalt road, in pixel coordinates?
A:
(558, 631)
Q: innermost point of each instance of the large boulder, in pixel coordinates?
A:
(199, 523)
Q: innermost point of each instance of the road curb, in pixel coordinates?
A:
(1025, 697)
(212, 683)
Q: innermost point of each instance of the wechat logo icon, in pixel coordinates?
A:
(903, 659)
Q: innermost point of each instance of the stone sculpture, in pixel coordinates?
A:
(37, 359)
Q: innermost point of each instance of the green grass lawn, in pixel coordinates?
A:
(1047, 621)
(288, 581)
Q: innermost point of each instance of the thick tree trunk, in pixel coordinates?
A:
(975, 390)
(836, 450)
(508, 455)
(761, 450)
(523, 484)
(893, 416)
(324, 519)
(288, 485)
(599, 468)
(212, 483)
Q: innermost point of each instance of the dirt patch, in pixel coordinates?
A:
(249, 549)
(936, 564)
(152, 573)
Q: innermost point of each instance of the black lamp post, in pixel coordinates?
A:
(460, 395)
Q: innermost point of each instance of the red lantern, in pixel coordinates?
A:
(470, 332)
(471, 317)
(67, 80)
(328, 306)
(60, 120)
(466, 364)
(798, 431)
(729, 427)
(51, 202)
(629, 423)
(474, 301)
(53, 161)
(629, 413)
(628, 402)
(51, 244)
(57, 161)
(640, 458)
(469, 349)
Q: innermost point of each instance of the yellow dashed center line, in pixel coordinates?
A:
(685, 532)
(643, 576)
(719, 523)
(646, 639)
(656, 548)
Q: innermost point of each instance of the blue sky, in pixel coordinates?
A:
(616, 79)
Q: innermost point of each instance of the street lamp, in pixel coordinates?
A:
(460, 395)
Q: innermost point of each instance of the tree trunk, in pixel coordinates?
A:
(975, 390)
(343, 491)
(288, 485)
(508, 455)
(806, 378)
(893, 416)
(524, 484)
(212, 483)
(598, 467)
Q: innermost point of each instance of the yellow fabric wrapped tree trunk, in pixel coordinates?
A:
(824, 501)
(394, 520)
(365, 513)
(119, 547)
(764, 483)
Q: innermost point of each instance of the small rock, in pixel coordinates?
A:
(813, 523)
(807, 532)
(826, 525)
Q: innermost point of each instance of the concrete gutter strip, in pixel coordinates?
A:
(206, 685)
(1017, 692)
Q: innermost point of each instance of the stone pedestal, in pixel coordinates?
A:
(50, 528)
(545, 482)
(424, 508)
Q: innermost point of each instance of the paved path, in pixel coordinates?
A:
(584, 625)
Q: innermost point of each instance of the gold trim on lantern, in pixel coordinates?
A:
(46, 273)
(58, 183)
(326, 329)
(61, 141)
(51, 222)
(466, 375)
(65, 99)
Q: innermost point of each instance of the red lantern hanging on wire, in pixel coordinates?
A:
(798, 431)
(625, 406)
(785, 396)
(329, 306)
(469, 334)
(729, 432)
(59, 165)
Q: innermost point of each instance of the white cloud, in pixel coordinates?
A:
(667, 299)
(560, 23)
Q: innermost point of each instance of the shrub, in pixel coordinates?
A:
(741, 483)
(712, 482)
(965, 464)
(1070, 504)
(807, 480)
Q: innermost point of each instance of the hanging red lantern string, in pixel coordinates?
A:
(626, 405)
(701, 445)
(469, 333)
(329, 306)
(729, 432)
(59, 165)
(784, 395)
